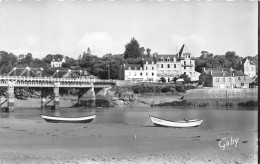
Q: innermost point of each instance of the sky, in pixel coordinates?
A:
(69, 27)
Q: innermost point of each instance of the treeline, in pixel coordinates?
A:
(110, 66)
(230, 59)
(97, 66)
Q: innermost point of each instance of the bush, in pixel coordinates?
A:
(180, 88)
(248, 104)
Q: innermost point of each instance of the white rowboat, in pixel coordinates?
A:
(178, 124)
(68, 119)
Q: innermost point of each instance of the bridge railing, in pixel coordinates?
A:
(56, 79)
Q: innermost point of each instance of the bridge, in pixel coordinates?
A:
(40, 78)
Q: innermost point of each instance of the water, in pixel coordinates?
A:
(242, 119)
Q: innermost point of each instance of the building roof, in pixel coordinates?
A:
(149, 60)
(225, 72)
(166, 56)
(244, 60)
(133, 66)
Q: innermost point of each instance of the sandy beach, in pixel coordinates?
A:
(36, 141)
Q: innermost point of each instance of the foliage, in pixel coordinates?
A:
(162, 79)
(185, 77)
(183, 103)
(132, 49)
(248, 104)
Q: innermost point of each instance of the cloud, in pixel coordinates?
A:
(2, 18)
(100, 43)
(195, 43)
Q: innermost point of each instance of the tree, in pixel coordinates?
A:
(185, 77)
(162, 79)
(132, 49)
(232, 58)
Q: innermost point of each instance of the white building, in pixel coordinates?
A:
(163, 66)
(248, 67)
(57, 63)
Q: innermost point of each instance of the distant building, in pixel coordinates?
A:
(57, 63)
(225, 78)
(248, 67)
(160, 66)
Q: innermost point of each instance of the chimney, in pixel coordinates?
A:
(210, 72)
(148, 50)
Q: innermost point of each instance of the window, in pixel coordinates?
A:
(244, 78)
(152, 68)
(190, 62)
(135, 74)
(239, 78)
(129, 74)
(146, 73)
(188, 56)
(152, 74)
(229, 79)
(184, 62)
(174, 65)
(242, 84)
(190, 73)
(184, 73)
(184, 67)
(252, 68)
(141, 74)
(161, 65)
(146, 68)
(223, 79)
(217, 80)
(165, 60)
(168, 65)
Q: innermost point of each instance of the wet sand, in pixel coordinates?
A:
(36, 141)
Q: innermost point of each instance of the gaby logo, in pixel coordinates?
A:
(225, 142)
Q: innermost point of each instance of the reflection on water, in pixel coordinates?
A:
(213, 119)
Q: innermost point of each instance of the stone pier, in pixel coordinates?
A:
(43, 98)
(56, 95)
(87, 97)
(10, 92)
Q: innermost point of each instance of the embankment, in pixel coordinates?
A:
(218, 97)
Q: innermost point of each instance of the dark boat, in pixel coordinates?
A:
(56, 119)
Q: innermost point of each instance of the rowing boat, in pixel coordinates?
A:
(178, 124)
(57, 119)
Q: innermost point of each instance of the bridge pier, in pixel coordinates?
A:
(10, 92)
(56, 95)
(87, 97)
(43, 98)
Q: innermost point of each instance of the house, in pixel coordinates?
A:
(248, 67)
(57, 63)
(224, 78)
(163, 66)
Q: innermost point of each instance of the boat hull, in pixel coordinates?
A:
(177, 124)
(54, 119)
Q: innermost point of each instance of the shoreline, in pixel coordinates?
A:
(36, 141)
(143, 101)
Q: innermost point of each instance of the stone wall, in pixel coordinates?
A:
(216, 93)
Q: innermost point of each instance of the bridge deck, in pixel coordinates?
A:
(21, 81)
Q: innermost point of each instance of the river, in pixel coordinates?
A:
(242, 119)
